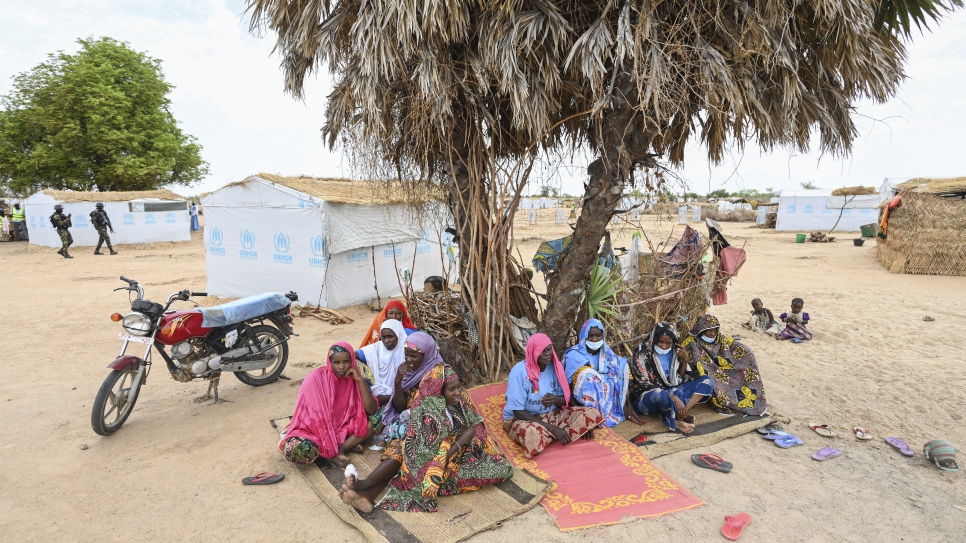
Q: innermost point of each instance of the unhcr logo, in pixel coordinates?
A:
(81, 222)
(170, 217)
(128, 219)
(320, 258)
(356, 256)
(422, 244)
(216, 238)
(390, 252)
(149, 218)
(248, 245)
(282, 246)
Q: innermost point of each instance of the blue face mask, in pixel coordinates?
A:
(594, 345)
(659, 350)
(707, 339)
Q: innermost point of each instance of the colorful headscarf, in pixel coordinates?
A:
(383, 362)
(326, 403)
(425, 344)
(704, 322)
(372, 335)
(535, 346)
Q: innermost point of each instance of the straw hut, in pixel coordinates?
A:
(926, 232)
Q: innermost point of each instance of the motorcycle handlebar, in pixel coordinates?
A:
(199, 294)
(131, 282)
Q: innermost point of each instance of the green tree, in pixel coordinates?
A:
(99, 119)
(720, 193)
(808, 185)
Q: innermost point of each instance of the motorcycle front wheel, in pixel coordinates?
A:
(115, 400)
(262, 336)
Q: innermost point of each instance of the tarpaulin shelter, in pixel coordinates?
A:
(137, 216)
(804, 210)
(335, 242)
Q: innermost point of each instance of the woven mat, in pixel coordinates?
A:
(458, 517)
(601, 481)
(710, 428)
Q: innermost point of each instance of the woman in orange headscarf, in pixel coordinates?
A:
(393, 310)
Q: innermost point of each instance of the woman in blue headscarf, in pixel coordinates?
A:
(598, 376)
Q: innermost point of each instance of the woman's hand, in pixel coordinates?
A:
(404, 368)
(558, 433)
(549, 400)
(355, 374)
(682, 409)
(683, 355)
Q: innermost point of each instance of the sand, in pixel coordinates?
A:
(173, 472)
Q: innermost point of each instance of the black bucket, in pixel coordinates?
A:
(858, 242)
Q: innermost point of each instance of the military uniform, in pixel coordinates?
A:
(102, 223)
(62, 222)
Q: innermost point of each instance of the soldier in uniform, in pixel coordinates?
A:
(102, 223)
(62, 222)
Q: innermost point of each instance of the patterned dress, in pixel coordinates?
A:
(732, 365)
(599, 380)
(795, 326)
(432, 432)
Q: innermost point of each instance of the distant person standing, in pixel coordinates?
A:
(19, 222)
(195, 225)
(102, 223)
(6, 228)
(62, 222)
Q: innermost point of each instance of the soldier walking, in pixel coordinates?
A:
(62, 222)
(102, 223)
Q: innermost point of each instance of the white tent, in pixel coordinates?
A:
(137, 217)
(726, 206)
(804, 210)
(334, 242)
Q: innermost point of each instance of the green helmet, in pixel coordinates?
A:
(99, 205)
(58, 207)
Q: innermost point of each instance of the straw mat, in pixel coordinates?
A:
(458, 517)
(710, 428)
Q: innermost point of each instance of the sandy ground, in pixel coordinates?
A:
(173, 472)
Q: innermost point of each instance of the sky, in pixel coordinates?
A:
(229, 95)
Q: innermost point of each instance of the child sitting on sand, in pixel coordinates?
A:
(795, 322)
(762, 319)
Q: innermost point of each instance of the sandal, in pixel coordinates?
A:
(773, 427)
(862, 433)
(775, 434)
(942, 453)
(900, 446)
(822, 430)
(712, 461)
(733, 526)
(825, 453)
(789, 441)
(263, 478)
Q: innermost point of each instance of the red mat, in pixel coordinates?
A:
(602, 481)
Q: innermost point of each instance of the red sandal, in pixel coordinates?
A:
(263, 478)
(712, 461)
(733, 526)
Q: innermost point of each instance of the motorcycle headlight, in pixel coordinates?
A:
(136, 324)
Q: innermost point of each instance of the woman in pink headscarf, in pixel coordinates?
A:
(538, 410)
(332, 411)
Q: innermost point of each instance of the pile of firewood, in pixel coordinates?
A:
(330, 316)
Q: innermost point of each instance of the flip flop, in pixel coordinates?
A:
(822, 430)
(734, 525)
(797, 341)
(900, 446)
(789, 441)
(825, 453)
(940, 452)
(775, 434)
(712, 461)
(263, 478)
(862, 433)
(773, 427)
(641, 439)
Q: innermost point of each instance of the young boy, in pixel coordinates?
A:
(762, 319)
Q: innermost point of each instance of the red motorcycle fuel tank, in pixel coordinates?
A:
(178, 326)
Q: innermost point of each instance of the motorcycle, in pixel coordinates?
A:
(247, 337)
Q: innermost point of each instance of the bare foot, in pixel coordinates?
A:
(341, 460)
(345, 488)
(685, 427)
(350, 483)
(357, 449)
(350, 497)
(589, 435)
(381, 443)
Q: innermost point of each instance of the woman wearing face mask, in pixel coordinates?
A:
(665, 383)
(731, 364)
(598, 376)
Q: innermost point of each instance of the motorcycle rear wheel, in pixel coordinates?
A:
(114, 401)
(263, 336)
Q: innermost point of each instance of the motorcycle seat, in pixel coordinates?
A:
(243, 309)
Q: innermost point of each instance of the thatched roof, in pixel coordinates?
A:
(950, 186)
(854, 191)
(120, 196)
(346, 191)
(925, 235)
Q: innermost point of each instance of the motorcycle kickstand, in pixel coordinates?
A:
(212, 385)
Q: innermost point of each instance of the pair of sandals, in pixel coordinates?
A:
(783, 439)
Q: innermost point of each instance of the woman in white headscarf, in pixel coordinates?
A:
(383, 359)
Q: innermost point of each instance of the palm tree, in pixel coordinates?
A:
(463, 93)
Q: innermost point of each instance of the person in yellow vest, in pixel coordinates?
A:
(19, 222)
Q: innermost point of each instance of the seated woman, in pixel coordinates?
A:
(446, 452)
(598, 376)
(664, 383)
(420, 356)
(538, 409)
(394, 310)
(383, 359)
(331, 412)
(731, 364)
(796, 322)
